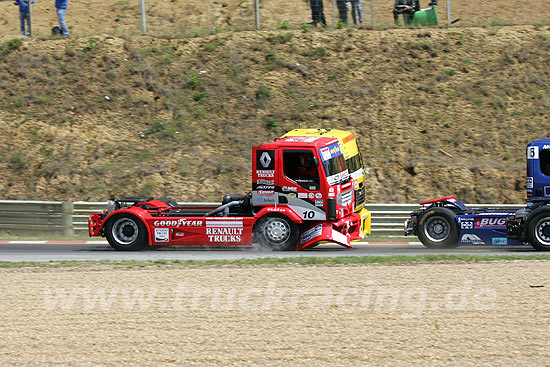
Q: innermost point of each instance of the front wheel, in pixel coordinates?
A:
(538, 231)
(125, 232)
(438, 229)
(276, 232)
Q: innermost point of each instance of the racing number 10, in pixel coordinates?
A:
(309, 214)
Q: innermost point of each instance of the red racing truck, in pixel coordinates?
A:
(302, 194)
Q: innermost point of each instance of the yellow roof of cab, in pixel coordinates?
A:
(345, 138)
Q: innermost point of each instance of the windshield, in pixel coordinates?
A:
(354, 163)
(334, 164)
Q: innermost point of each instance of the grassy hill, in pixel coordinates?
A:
(436, 111)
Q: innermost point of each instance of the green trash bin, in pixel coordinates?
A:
(426, 17)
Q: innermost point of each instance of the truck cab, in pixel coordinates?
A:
(305, 174)
(538, 170)
(354, 164)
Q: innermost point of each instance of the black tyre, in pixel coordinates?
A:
(125, 232)
(277, 233)
(437, 228)
(538, 231)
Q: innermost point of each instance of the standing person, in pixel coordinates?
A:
(61, 8)
(357, 5)
(24, 15)
(408, 7)
(342, 11)
(317, 15)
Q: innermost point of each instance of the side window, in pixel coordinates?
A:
(545, 162)
(300, 167)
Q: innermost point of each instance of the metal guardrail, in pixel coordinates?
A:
(70, 218)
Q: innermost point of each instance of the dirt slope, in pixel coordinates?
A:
(436, 111)
(179, 17)
(432, 314)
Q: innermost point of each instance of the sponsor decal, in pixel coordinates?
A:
(302, 139)
(265, 187)
(331, 189)
(265, 199)
(334, 179)
(224, 234)
(265, 192)
(179, 234)
(266, 182)
(311, 195)
(471, 238)
(546, 146)
(290, 188)
(275, 210)
(500, 241)
(331, 195)
(318, 202)
(291, 194)
(318, 195)
(265, 173)
(529, 182)
(302, 195)
(325, 153)
(348, 138)
(178, 223)
(265, 159)
(162, 234)
(490, 222)
(533, 152)
(311, 233)
(330, 152)
(466, 223)
(312, 188)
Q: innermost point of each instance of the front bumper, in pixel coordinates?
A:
(343, 232)
(514, 228)
(365, 222)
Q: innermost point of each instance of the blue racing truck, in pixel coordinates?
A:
(448, 223)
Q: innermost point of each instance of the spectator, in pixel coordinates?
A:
(61, 8)
(408, 7)
(342, 11)
(357, 5)
(317, 15)
(24, 15)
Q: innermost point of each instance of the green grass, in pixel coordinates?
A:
(341, 260)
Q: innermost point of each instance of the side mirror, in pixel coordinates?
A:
(316, 161)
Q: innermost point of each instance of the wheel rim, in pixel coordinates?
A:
(542, 231)
(437, 229)
(125, 231)
(276, 231)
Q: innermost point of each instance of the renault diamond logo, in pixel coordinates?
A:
(265, 159)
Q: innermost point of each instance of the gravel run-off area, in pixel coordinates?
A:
(487, 313)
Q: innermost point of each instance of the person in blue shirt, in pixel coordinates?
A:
(24, 15)
(61, 8)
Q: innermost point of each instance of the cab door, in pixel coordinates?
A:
(301, 184)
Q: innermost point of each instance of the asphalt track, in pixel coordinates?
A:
(98, 250)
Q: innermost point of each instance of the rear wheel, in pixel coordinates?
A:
(276, 232)
(538, 231)
(438, 228)
(125, 232)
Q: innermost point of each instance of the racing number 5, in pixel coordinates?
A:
(533, 152)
